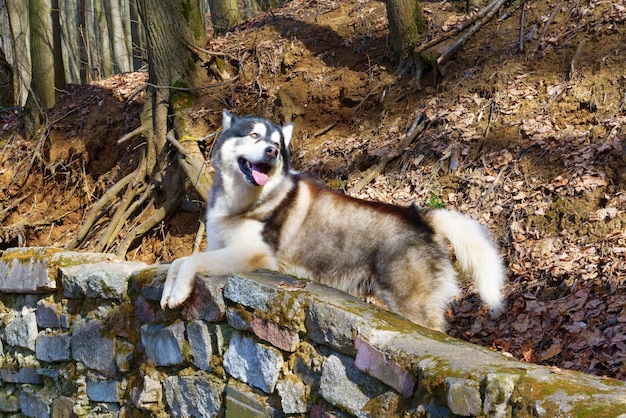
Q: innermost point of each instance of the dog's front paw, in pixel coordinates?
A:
(182, 286)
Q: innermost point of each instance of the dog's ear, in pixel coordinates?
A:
(227, 120)
(287, 132)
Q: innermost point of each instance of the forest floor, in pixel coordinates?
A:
(529, 142)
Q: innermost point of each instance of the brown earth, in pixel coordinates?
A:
(529, 142)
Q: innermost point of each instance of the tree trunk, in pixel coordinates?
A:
(405, 26)
(59, 67)
(156, 187)
(20, 33)
(121, 56)
(224, 14)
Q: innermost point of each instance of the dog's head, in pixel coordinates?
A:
(252, 149)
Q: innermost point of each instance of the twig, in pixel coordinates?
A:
(458, 29)
(207, 86)
(325, 129)
(199, 237)
(522, 23)
(546, 25)
(492, 7)
(420, 122)
(491, 186)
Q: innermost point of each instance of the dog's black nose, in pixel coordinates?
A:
(271, 152)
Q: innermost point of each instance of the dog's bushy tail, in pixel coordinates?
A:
(475, 253)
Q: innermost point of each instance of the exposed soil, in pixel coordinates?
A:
(530, 143)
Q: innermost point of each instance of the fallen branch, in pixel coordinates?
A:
(492, 8)
(458, 29)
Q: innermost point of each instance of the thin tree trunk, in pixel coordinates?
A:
(118, 38)
(59, 66)
(405, 25)
(20, 32)
(224, 14)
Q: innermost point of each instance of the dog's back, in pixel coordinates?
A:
(367, 248)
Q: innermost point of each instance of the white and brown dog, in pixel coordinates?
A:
(263, 215)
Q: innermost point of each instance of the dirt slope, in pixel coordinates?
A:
(528, 142)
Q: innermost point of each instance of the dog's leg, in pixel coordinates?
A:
(169, 281)
(235, 259)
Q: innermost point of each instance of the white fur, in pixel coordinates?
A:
(474, 252)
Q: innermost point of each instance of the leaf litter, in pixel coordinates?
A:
(528, 143)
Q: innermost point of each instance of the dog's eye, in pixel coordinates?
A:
(255, 135)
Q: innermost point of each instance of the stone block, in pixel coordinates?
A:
(279, 337)
(463, 396)
(241, 401)
(294, 395)
(193, 396)
(200, 344)
(164, 344)
(21, 331)
(252, 290)
(89, 346)
(375, 363)
(206, 301)
(253, 363)
(346, 387)
(36, 269)
(26, 270)
(34, 402)
(106, 280)
(148, 395)
(22, 375)
(498, 390)
(102, 391)
(53, 347)
(48, 314)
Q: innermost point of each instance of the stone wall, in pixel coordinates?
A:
(83, 335)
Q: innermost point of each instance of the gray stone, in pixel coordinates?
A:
(252, 290)
(164, 344)
(498, 390)
(242, 401)
(53, 347)
(22, 330)
(463, 396)
(102, 391)
(239, 319)
(193, 396)
(36, 269)
(35, 403)
(148, 395)
(26, 270)
(200, 344)
(21, 375)
(293, 395)
(98, 280)
(94, 350)
(332, 325)
(48, 314)
(343, 385)
(253, 363)
(149, 281)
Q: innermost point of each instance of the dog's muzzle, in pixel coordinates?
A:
(255, 173)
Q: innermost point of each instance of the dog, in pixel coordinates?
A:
(263, 215)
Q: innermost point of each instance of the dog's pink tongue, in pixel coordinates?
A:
(259, 177)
